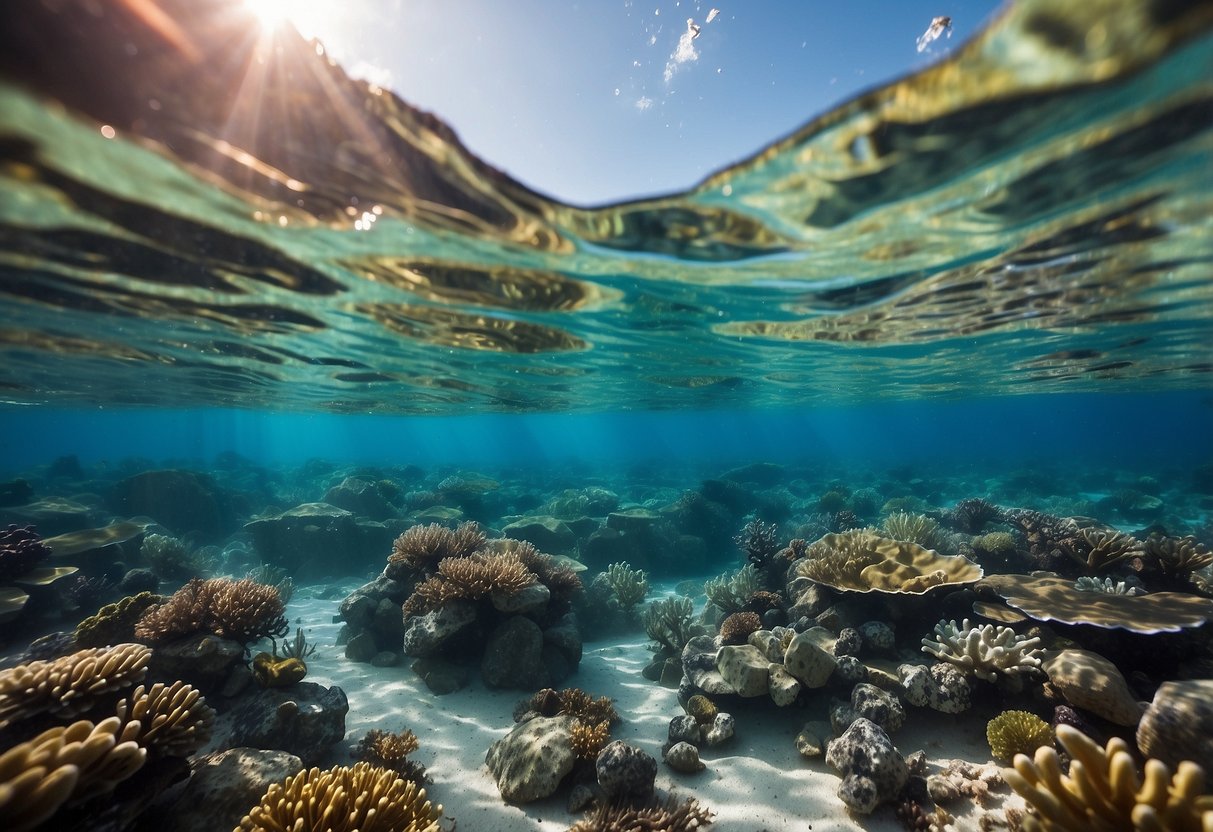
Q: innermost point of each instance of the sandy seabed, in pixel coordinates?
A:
(757, 782)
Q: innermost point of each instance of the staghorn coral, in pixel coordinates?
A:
(1017, 732)
(115, 623)
(1051, 598)
(668, 622)
(670, 816)
(1064, 545)
(242, 611)
(1108, 547)
(171, 720)
(729, 593)
(470, 579)
(1103, 790)
(861, 561)
(422, 547)
(588, 738)
(628, 585)
(912, 528)
(987, 652)
(361, 798)
(62, 764)
(758, 541)
(72, 684)
(736, 628)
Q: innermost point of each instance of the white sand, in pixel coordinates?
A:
(758, 781)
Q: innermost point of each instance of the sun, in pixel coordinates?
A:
(309, 17)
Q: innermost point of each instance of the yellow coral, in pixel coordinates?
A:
(385, 748)
(361, 798)
(271, 672)
(588, 738)
(1017, 732)
(115, 623)
(1103, 791)
(703, 709)
(70, 685)
(174, 720)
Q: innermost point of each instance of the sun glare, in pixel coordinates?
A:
(307, 16)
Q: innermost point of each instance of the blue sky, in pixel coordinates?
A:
(571, 97)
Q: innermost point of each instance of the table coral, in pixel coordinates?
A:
(986, 651)
(861, 561)
(1103, 789)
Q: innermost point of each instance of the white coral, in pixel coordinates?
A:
(1107, 585)
(985, 652)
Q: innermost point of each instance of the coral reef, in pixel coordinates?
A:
(360, 798)
(668, 622)
(273, 672)
(1104, 791)
(736, 628)
(1108, 585)
(423, 547)
(758, 541)
(702, 709)
(656, 816)
(1048, 598)
(628, 585)
(987, 651)
(861, 561)
(730, 593)
(912, 528)
(391, 751)
(72, 684)
(173, 720)
(470, 578)
(972, 514)
(242, 611)
(1017, 732)
(172, 558)
(589, 738)
(115, 623)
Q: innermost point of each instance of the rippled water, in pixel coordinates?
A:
(190, 217)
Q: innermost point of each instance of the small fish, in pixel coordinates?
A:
(938, 26)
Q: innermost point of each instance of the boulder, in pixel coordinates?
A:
(1178, 724)
(304, 720)
(873, 770)
(1089, 681)
(309, 539)
(227, 784)
(182, 501)
(744, 668)
(203, 660)
(547, 533)
(807, 660)
(360, 497)
(513, 656)
(684, 729)
(721, 730)
(529, 762)
(425, 635)
(684, 757)
(783, 686)
(872, 703)
(699, 666)
(625, 772)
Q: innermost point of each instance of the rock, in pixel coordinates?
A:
(723, 726)
(871, 703)
(580, 797)
(699, 666)
(809, 602)
(635, 520)
(1178, 724)
(684, 729)
(203, 660)
(625, 772)
(877, 636)
(513, 656)
(529, 762)
(652, 671)
(228, 784)
(1089, 681)
(744, 668)
(565, 636)
(942, 687)
(303, 720)
(811, 741)
(873, 771)
(182, 501)
(783, 686)
(360, 497)
(807, 661)
(850, 670)
(529, 599)
(684, 757)
(849, 642)
(308, 539)
(671, 673)
(385, 658)
(547, 533)
(440, 676)
(388, 625)
(361, 648)
(426, 634)
(53, 516)
(770, 644)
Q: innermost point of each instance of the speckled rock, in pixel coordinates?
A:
(1089, 681)
(807, 661)
(424, 635)
(684, 729)
(942, 687)
(1178, 725)
(768, 643)
(872, 703)
(684, 757)
(873, 771)
(744, 668)
(529, 762)
(699, 666)
(580, 797)
(625, 771)
(877, 636)
(228, 783)
(850, 670)
(203, 660)
(783, 686)
(304, 720)
(721, 730)
(849, 642)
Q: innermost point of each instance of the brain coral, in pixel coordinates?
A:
(861, 561)
(361, 798)
(1017, 732)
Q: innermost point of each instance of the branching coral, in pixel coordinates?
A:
(470, 579)
(578, 703)
(1104, 791)
(242, 611)
(861, 561)
(115, 623)
(759, 541)
(172, 720)
(387, 750)
(668, 622)
(554, 573)
(1108, 547)
(670, 816)
(421, 547)
(1107, 585)
(171, 557)
(362, 798)
(971, 514)
(588, 738)
(1017, 732)
(1174, 557)
(628, 585)
(912, 528)
(986, 652)
(731, 592)
(72, 684)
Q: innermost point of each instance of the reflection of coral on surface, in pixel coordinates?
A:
(343, 799)
(242, 611)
